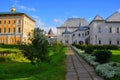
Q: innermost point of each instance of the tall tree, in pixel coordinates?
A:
(37, 51)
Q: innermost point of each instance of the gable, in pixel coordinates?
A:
(115, 17)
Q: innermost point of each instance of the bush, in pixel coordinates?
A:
(109, 70)
(102, 56)
(89, 50)
(108, 47)
(18, 57)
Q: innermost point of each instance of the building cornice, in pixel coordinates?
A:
(15, 14)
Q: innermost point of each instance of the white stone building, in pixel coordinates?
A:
(72, 31)
(98, 32)
(105, 31)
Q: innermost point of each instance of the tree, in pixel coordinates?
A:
(37, 51)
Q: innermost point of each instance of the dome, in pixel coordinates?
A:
(13, 9)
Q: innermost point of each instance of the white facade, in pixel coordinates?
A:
(104, 32)
(79, 36)
(100, 31)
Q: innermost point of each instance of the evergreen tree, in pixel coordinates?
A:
(37, 51)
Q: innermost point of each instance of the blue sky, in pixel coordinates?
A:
(52, 13)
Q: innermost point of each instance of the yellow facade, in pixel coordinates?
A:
(14, 27)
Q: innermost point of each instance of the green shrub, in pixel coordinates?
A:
(82, 47)
(108, 47)
(3, 59)
(89, 49)
(102, 56)
(18, 57)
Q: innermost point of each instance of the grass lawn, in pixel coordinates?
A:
(5, 49)
(116, 55)
(54, 70)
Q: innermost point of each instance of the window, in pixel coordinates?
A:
(4, 30)
(99, 30)
(110, 42)
(0, 30)
(19, 30)
(8, 30)
(14, 21)
(110, 30)
(4, 21)
(73, 34)
(85, 34)
(117, 30)
(118, 42)
(79, 35)
(9, 22)
(99, 41)
(88, 32)
(82, 35)
(14, 30)
(19, 22)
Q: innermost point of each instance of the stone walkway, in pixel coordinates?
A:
(78, 69)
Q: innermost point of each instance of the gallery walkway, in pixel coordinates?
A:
(78, 69)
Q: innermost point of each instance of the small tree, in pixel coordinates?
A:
(37, 51)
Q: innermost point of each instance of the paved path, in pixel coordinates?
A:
(78, 69)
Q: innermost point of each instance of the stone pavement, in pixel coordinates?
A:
(78, 69)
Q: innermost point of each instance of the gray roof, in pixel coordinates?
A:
(81, 28)
(66, 31)
(74, 22)
(10, 13)
(97, 17)
(50, 32)
(115, 17)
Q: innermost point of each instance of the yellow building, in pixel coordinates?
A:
(14, 27)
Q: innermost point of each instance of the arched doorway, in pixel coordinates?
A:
(81, 42)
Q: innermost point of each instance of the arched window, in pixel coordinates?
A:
(99, 41)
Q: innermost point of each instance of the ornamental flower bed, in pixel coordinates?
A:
(109, 70)
(106, 70)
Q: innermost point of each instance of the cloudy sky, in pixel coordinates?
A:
(52, 13)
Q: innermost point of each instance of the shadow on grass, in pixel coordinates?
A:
(14, 70)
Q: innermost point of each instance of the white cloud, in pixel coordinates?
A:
(75, 16)
(42, 25)
(15, 4)
(25, 8)
(35, 17)
(89, 19)
(57, 20)
(39, 23)
(118, 10)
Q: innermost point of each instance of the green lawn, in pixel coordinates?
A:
(5, 49)
(54, 70)
(116, 55)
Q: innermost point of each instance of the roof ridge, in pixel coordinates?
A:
(98, 17)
